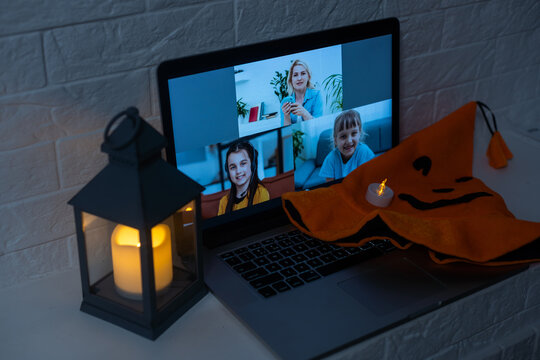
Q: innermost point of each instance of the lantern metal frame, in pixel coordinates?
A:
(138, 189)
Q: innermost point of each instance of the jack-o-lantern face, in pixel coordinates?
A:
(437, 202)
(423, 164)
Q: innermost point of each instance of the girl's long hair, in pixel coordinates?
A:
(253, 180)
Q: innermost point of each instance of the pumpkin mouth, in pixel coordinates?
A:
(423, 164)
(423, 205)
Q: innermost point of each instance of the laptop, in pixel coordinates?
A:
(253, 122)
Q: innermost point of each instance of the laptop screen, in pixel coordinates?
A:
(253, 122)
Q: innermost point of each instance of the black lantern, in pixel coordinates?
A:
(137, 233)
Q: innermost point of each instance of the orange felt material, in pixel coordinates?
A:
(497, 152)
(437, 203)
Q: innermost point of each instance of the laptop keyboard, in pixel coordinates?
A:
(290, 260)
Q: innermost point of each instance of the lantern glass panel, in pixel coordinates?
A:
(103, 257)
(184, 250)
(114, 260)
(97, 236)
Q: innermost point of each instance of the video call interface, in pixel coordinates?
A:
(254, 131)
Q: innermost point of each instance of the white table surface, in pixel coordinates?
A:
(41, 318)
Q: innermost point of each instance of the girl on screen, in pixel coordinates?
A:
(349, 152)
(246, 188)
(303, 102)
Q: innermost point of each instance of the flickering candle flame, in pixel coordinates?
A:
(189, 209)
(380, 191)
(379, 195)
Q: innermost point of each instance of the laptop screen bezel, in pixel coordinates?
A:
(223, 229)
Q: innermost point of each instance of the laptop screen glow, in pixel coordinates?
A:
(288, 119)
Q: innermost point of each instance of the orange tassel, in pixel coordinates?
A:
(497, 152)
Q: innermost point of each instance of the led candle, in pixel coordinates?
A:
(379, 194)
(125, 246)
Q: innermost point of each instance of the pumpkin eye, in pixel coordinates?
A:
(464, 179)
(422, 163)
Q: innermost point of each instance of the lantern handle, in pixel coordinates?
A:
(131, 113)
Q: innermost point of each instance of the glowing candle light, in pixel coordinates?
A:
(379, 194)
(125, 246)
(380, 191)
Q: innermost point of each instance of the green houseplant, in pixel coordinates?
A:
(298, 143)
(241, 108)
(279, 83)
(333, 86)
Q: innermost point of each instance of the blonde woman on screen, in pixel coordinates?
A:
(303, 102)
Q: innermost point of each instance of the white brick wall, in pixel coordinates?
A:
(67, 67)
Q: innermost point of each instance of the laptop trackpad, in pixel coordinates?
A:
(390, 286)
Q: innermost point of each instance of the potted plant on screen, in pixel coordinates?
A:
(333, 86)
(298, 145)
(241, 108)
(279, 83)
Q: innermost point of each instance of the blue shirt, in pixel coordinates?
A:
(333, 166)
(312, 103)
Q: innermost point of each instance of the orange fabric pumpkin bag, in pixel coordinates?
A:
(437, 202)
